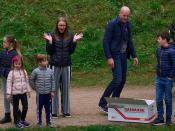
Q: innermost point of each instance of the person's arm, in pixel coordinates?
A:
(74, 41)
(107, 40)
(132, 49)
(107, 44)
(0, 59)
(53, 81)
(131, 46)
(172, 58)
(49, 43)
(72, 45)
(27, 81)
(32, 80)
(9, 83)
(1, 69)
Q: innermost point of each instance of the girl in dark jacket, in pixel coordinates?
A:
(60, 45)
(10, 49)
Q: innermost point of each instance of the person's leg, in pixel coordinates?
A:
(24, 106)
(168, 98)
(55, 100)
(40, 100)
(116, 81)
(65, 90)
(118, 90)
(7, 117)
(16, 108)
(24, 102)
(159, 97)
(47, 105)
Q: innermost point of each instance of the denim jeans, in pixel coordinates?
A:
(164, 90)
(6, 102)
(119, 77)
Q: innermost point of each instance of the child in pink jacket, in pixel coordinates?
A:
(17, 90)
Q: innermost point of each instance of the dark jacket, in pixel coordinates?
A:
(172, 44)
(6, 61)
(60, 51)
(113, 37)
(165, 62)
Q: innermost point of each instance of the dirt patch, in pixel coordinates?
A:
(84, 106)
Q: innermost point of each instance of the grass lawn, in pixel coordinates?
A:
(102, 76)
(114, 127)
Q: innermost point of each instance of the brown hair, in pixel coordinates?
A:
(57, 33)
(41, 57)
(13, 43)
(164, 35)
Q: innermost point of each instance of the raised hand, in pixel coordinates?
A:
(48, 37)
(77, 37)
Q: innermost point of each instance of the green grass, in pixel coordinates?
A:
(114, 127)
(102, 76)
(29, 19)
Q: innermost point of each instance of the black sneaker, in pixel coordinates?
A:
(19, 125)
(158, 122)
(104, 109)
(54, 115)
(6, 119)
(168, 122)
(39, 125)
(67, 115)
(49, 125)
(25, 123)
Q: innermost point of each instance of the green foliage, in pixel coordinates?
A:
(29, 19)
(89, 53)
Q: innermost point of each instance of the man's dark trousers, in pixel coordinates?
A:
(119, 77)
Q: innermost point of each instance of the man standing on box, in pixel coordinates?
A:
(118, 46)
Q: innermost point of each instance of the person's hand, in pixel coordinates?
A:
(48, 37)
(9, 97)
(28, 94)
(110, 62)
(136, 61)
(52, 94)
(77, 37)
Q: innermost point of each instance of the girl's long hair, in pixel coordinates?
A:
(13, 43)
(57, 34)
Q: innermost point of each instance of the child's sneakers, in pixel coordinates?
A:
(49, 125)
(19, 125)
(25, 123)
(158, 122)
(39, 124)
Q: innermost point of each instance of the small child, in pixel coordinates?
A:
(164, 84)
(10, 49)
(42, 80)
(18, 89)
